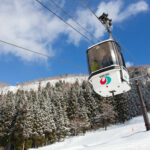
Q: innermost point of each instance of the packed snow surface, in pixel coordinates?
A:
(129, 136)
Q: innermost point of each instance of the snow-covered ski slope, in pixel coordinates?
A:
(34, 85)
(129, 136)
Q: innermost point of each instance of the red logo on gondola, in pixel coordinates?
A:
(125, 76)
(105, 80)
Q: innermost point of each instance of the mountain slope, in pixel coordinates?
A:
(128, 136)
(34, 85)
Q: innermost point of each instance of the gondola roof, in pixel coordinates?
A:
(89, 48)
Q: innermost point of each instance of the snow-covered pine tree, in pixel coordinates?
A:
(61, 130)
(99, 100)
(64, 104)
(122, 108)
(107, 115)
(134, 102)
(83, 117)
(7, 112)
(38, 136)
(146, 92)
(22, 129)
(73, 106)
(90, 103)
(49, 127)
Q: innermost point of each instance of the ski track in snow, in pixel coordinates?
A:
(129, 136)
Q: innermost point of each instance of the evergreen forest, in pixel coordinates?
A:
(53, 113)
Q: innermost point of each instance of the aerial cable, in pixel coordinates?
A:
(95, 14)
(90, 9)
(67, 14)
(64, 21)
(129, 53)
(42, 54)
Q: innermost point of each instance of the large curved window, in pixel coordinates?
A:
(120, 56)
(101, 56)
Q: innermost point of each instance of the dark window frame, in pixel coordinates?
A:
(119, 52)
(114, 58)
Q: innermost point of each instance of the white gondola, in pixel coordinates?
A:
(108, 73)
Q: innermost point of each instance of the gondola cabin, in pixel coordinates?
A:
(108, 73)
